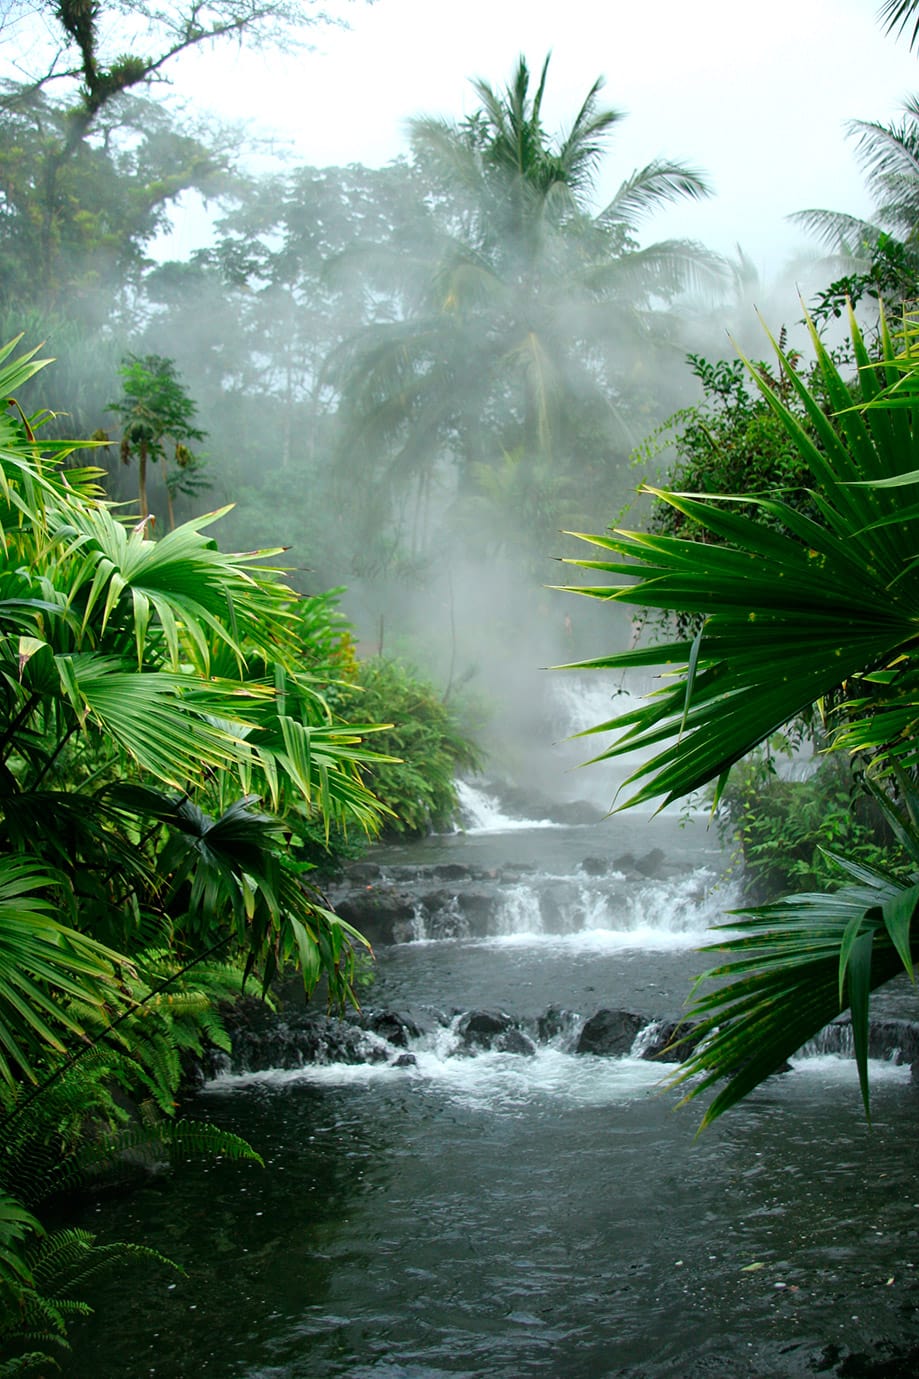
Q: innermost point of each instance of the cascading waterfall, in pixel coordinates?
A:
(483, 813)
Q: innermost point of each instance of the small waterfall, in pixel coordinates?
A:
(519, 911)
(439, 921)
(482, 812)
(656, 901)
(582, 702)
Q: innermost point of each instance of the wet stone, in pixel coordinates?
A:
(514, 1041)
(478, 1029)
(610, 1033)
(651, 864)
(396, 1029)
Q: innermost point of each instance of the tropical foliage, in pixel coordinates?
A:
(167, 756)
(802, 610)
(786, 831)
(424, 740)
(155, 407)
(896, 15)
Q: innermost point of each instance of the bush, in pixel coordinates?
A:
(787, 831)
(425, 735)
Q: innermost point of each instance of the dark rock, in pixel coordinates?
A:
(465, 913)
(896, 1040)
(483, 1023)
(294, 1043)
(595, 866)
(478, 1029)
(362, 873)
(512, 871)
(379, 912)
(451, 871)
(514, 1041)
(610, 1033)
(389, 1025)
(405, 1060)
(652, 864)
(626, 862)
(671, 1040)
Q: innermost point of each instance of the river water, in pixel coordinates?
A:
(513, 1217)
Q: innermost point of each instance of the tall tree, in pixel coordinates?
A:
(521, 314)
(74, 229)
(66, 127)
(881, 255)
(154, 408)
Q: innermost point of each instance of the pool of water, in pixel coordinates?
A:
(512, 1217)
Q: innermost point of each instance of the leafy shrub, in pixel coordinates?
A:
(418, 789)
(787, 831)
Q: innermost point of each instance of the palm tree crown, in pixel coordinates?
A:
(523, 307)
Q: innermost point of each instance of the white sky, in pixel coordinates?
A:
(756, 96)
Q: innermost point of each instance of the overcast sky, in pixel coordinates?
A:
(757, 96)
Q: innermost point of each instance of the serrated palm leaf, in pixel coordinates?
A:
(791, 612)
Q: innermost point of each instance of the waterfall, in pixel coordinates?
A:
(482, 812)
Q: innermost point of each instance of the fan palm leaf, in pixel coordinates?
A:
(46, 969)
(791, 610)
(790, 969)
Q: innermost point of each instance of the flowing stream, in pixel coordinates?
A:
(523, 1209)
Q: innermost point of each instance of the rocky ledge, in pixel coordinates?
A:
(263, 1039)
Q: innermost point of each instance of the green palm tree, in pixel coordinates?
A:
(880, 255)
(792, 612)
(524, 307)
(152, 694)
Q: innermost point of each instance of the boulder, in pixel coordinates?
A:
(396, 1029)
(652, 864)
(514, 1041)
(491, 1030)
(671, 1040)
(610, 1033)
(381, 913)
(295, 1043)
(452, 871)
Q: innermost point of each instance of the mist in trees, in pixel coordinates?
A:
(415, 378)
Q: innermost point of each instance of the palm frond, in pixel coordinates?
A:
(896, 16)
(656, 184)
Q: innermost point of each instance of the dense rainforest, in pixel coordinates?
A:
(391, 389)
